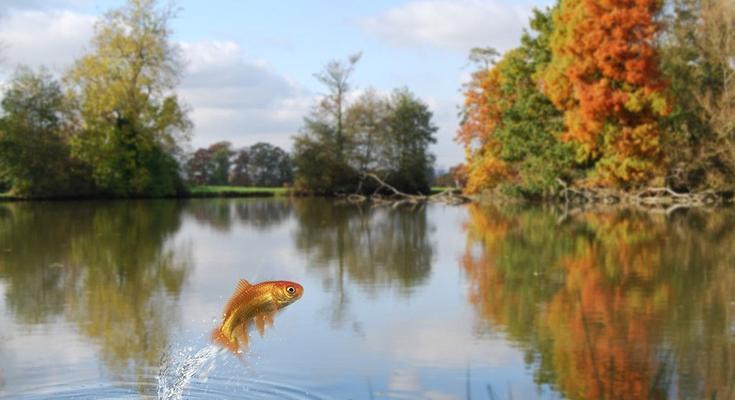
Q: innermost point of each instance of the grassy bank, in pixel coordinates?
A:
(236, 191)
(211, 191)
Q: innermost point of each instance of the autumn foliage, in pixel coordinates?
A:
(585, 90)
(604, 76)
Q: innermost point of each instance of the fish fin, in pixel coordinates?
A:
(269, 317)
(260, 324)
(264, 320)
(242, 286)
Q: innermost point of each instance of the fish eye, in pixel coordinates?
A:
(291, 289)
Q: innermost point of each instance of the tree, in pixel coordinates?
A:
(210, 166)
(34, 155)
(220, 154)
(240, 173)
(389, 136)
(697, 52)
(409, 132)
(319, 158)
(603, 75)
(509, 127)
(335, 78)
(131, 121)
(269, 165)
(366, 127)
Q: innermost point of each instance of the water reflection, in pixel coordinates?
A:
(610, 305)
(224, 214)
(374, 248)
(107, 268)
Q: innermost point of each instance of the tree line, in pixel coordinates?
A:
(606, 94)
(261, 164)
(342, 140)
(113, 125)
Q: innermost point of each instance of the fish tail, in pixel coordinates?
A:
(219, 338)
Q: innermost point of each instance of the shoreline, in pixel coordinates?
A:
(196, 192)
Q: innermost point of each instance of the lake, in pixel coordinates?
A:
(118, 300)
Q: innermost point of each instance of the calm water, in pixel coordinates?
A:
(117, 300)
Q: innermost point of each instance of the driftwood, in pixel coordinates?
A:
(654, 199)
(395, 198)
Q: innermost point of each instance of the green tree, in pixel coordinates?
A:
(34, 155)
(366, 126)
(269, 165)
(221, 154)
(409, 132)
(132, 122)
(697, 53)
(319, 150)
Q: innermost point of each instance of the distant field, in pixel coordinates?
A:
(234, 191)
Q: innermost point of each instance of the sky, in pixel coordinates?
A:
(250, 64)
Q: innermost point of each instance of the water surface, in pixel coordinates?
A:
(118, 299)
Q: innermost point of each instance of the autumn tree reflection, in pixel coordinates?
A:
(114, 273)
(610, 305)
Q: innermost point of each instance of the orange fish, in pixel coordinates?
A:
(249, 303)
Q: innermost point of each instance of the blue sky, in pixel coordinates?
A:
(250, 64)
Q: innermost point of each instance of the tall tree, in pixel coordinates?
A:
(366, 126)
(336, 79)
(132, 121)
(604, 76)
(409, 133)
(319, 151)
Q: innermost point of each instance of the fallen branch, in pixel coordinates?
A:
(397, 198)
(662, 198)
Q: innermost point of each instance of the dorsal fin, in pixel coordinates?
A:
(242, 286)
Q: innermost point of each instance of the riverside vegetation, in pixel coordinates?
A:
(603, 98)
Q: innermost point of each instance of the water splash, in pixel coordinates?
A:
(176, 372)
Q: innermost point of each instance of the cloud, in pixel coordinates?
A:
(238, 99)
(51, 38)
(47, 4)
(456, 25)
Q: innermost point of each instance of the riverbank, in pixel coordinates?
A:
(237, 191)
(196, 192)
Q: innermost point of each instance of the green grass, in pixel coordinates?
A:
(438, 189)
(235, 191)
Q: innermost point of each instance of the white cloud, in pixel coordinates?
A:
(456, 25)
(238, 99)
(51, 38)
(27, 4)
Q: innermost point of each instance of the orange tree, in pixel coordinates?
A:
(603, 75)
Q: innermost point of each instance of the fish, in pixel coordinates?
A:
(253, 304)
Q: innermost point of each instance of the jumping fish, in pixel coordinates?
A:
(253, 303)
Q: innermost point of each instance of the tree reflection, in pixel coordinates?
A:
(370, 247)
(610, 305)
(223, 214)
(109, 268)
